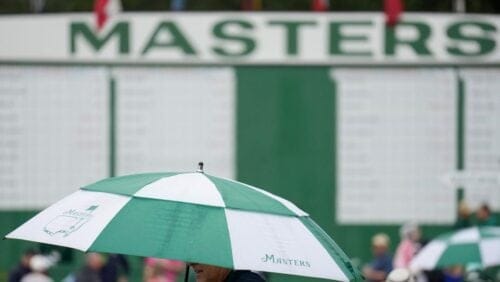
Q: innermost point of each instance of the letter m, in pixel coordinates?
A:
(268, 258)
(96, 41)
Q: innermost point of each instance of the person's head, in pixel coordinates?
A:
(463, 210)
(410, 230)
(380, 244)
(94, 261)
(40, 263)
(26, 257)
(483, 212)
(209, 273)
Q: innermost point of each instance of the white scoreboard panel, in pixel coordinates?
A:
(53, 133)
(169, 119)
(482, 133)
(396, 132)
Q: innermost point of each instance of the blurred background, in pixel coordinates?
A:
(369, 115)
(55, 6)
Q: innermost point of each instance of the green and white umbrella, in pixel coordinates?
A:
(192, 217)
(475, 245)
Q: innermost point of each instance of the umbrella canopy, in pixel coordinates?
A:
(477, 245)
(192, 217)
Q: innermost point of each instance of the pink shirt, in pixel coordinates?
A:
(165, 264)
(404, 253)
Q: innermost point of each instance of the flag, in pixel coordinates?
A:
(320, 5)
(104, 9)
(393, 10)
(251, 5)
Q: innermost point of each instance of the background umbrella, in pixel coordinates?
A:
(477, 245)
(193, 217)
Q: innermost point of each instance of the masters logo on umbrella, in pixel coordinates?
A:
(68, 222)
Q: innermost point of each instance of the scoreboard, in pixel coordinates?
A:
(396, 132)
(482, 132)
(396, 136)
(170, 119)
(55, 127)
(53, 132)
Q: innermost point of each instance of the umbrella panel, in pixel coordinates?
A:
(165, 229)
(457, 254)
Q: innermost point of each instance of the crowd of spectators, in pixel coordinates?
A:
(34, 267)
(411, 241)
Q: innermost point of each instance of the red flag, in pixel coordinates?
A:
(251, 5)
(320, 5)
(393, 9)
(104, 9)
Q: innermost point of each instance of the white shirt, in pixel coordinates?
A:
(36, 277)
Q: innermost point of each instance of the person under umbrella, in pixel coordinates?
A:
(211, 273)
(193, 217)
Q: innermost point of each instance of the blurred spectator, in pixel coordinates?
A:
(162, 270)
(23, 267)
(463, 216)
(454, 274)
(39, 265)
(91, 271)
(115, 269)
(212, 273)
(400, 275)
(435, 275)
(378, 269)
(484, 216)
(409, 245)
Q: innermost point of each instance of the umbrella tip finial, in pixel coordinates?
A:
(200, 167)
